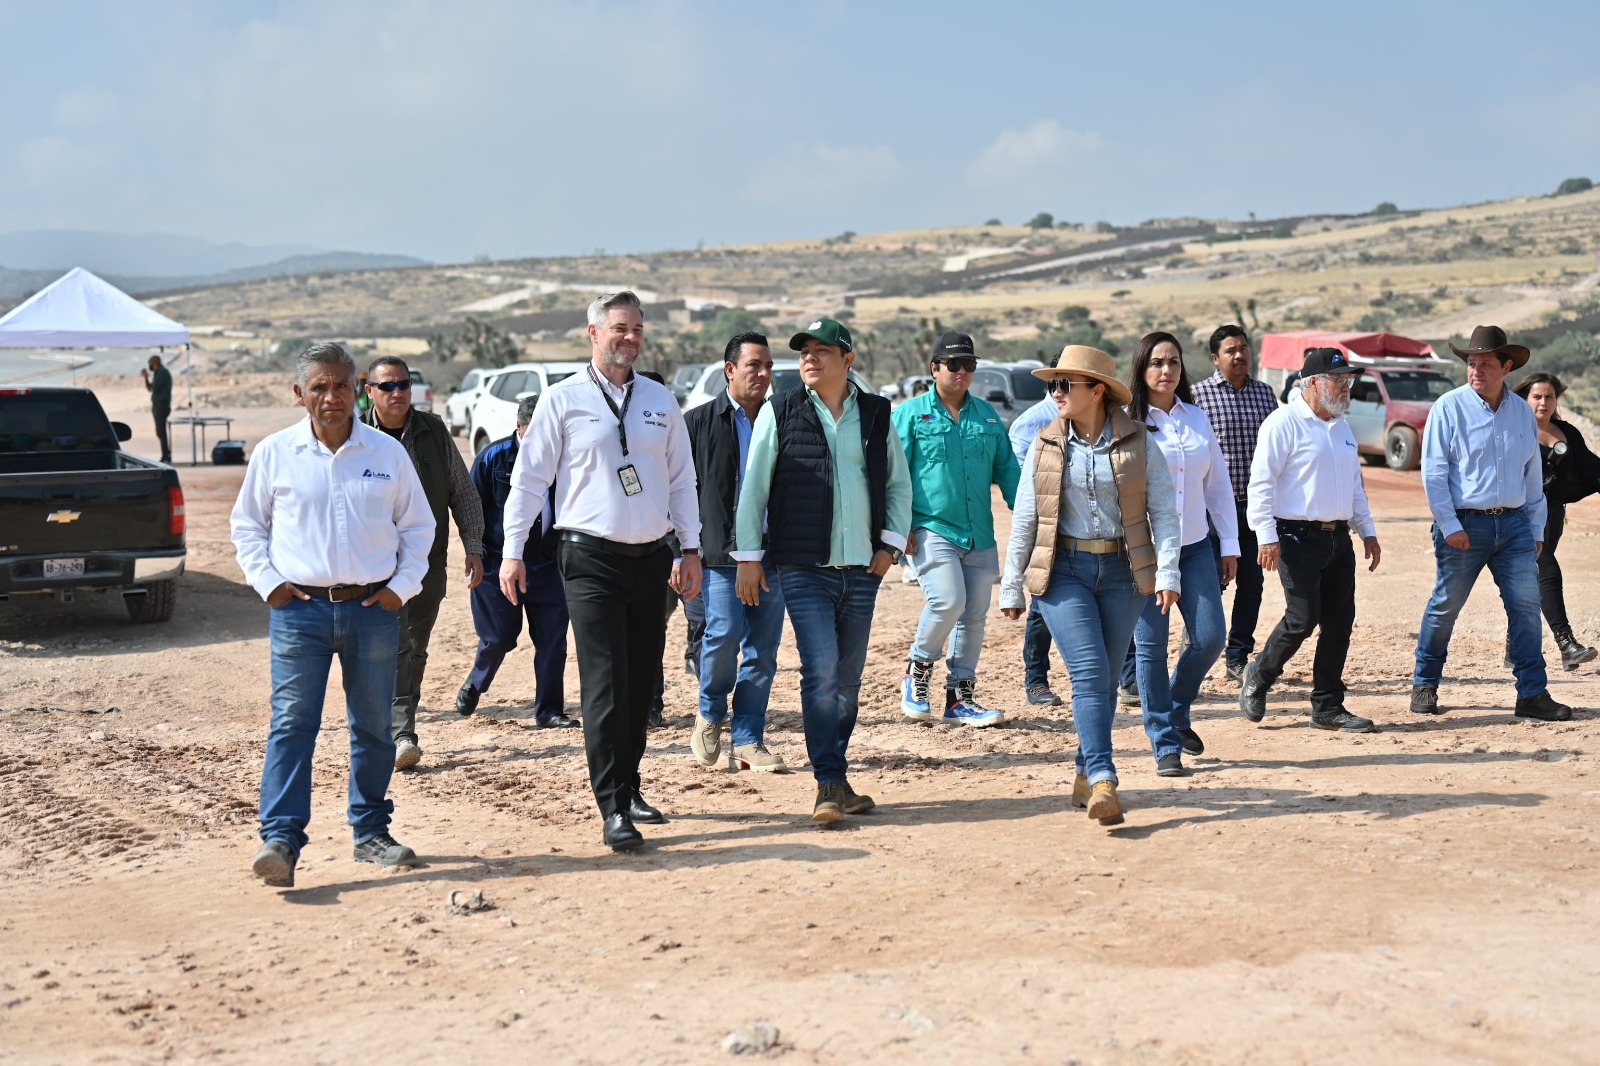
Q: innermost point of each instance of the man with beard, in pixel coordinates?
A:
(1305, 494)
(614, 446)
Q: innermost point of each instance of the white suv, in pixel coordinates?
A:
(494, 412)
(458, 407)
(785, 376)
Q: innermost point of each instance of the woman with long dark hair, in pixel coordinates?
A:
(1093, 536)
(1571, 472)
(1159, 386)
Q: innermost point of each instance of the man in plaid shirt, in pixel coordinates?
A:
(1237, 404)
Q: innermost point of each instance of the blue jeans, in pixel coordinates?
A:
(1503, 543)
(305, 636)
(830, 612)
(957, 583)
(1091, 606)
(1035, 648)
(1167, 700)
(738, 654)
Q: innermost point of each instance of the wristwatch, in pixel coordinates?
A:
(685, 553)
(896, 556)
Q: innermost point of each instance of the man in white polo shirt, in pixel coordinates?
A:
(614, 445)
(1305, 494)
(333, 530)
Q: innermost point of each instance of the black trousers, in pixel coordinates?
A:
(1551, 598)
(619, 631)
(160, 411)
(694, 613)
(1247, 588)
(416, 629)
(1318, 570)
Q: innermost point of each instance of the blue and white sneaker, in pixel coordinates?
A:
(963, 708)
(914, 691)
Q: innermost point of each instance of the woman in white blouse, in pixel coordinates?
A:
(1161, 399)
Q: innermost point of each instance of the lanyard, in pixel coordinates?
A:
(622, 430)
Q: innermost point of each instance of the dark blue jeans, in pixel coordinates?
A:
(830, 612)
(1503, 543)
(1035, 648)
(305, 635)
(1167, 700)
(498, 622)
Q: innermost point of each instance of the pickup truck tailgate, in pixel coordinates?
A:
(85, 512)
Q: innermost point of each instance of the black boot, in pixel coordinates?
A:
(1573, 654)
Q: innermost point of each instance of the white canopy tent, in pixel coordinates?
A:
(80, 310)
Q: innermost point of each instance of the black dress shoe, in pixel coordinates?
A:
(640, 811)
(656, 720)
(467, 700)
(1252, 699)
(559, 720)
(619, 833)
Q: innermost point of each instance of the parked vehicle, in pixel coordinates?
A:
(1399, 381)
(421, 392)
(1010, 387)
(494, 413)
(458, 406)
(684, 379)
(785, 375)
(79, 514)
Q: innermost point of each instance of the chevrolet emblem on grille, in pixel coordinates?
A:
(64, 516)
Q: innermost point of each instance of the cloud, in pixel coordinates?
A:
(822, 175)
(1031, 156)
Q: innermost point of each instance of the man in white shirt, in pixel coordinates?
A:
(1305, 494)
(332, 529)
(615, 446)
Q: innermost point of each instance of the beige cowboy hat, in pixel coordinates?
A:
(1491, 340)
(1084, 361)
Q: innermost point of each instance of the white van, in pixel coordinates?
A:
(494, 413)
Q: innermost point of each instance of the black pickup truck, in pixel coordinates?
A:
(79, 514)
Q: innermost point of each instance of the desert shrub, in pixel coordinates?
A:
(1572, 185)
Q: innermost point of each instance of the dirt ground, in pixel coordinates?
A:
(1425, 894)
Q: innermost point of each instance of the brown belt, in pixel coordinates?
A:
(341, 593)
(1103, 546)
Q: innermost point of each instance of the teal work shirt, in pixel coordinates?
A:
(850, 543)
(952, 466)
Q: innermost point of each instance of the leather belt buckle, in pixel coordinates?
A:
(1099, 546)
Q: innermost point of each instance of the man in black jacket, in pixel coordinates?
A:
(719, 438)
(827, 478)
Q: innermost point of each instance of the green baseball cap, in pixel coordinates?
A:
(827, 331)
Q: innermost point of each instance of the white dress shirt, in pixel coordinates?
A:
(573, 441)
(1199, 474)
(310, 516)
(1307, 470)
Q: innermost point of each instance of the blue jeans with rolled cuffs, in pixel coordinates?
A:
(1090, 607)
(830, 612)
(1504, 544)
(305, 635)
(739, 654)
(1167, 701)
(957, 583)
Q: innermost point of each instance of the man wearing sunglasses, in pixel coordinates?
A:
(449, 488)
(956, 448)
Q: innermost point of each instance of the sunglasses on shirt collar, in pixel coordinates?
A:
(390, 386)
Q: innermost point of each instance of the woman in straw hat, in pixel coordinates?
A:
(1094, 533)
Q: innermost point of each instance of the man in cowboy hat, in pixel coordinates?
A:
(1481, 471)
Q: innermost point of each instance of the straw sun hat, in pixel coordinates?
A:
(1080, 360)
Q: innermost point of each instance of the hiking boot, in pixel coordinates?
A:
(385, 850)
(1252, 698)
(1425, 699)
(274, 864)
(1234, 672)
(1171, 766)
(1573, 654)
(755, 757)
(1105, 806)
(1343, 721)
(467, 699)
(830, 803)
(1041, 696)
(914, 702)
(1543, 708)
(406, 753)
(1192, 744)
(962, 707)
(1128, 695)
(705, 740)
(1080, 791)
(855, 802)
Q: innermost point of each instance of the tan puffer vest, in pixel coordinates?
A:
(1129, 440)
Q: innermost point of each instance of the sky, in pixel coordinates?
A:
(527, 128)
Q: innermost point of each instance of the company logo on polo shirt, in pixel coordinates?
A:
(379, 474)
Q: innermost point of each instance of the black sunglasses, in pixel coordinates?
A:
(390, 386)
(961, 364)
(1065, 384)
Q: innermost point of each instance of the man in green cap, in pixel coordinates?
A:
(827, 472)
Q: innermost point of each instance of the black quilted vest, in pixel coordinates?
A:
(800, 507)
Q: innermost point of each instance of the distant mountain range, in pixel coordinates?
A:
(149, 262)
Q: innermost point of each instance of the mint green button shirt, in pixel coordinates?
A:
(952, 466)
(850, 543)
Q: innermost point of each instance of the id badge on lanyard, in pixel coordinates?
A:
(626, 473)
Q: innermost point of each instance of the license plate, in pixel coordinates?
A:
(63, 568)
